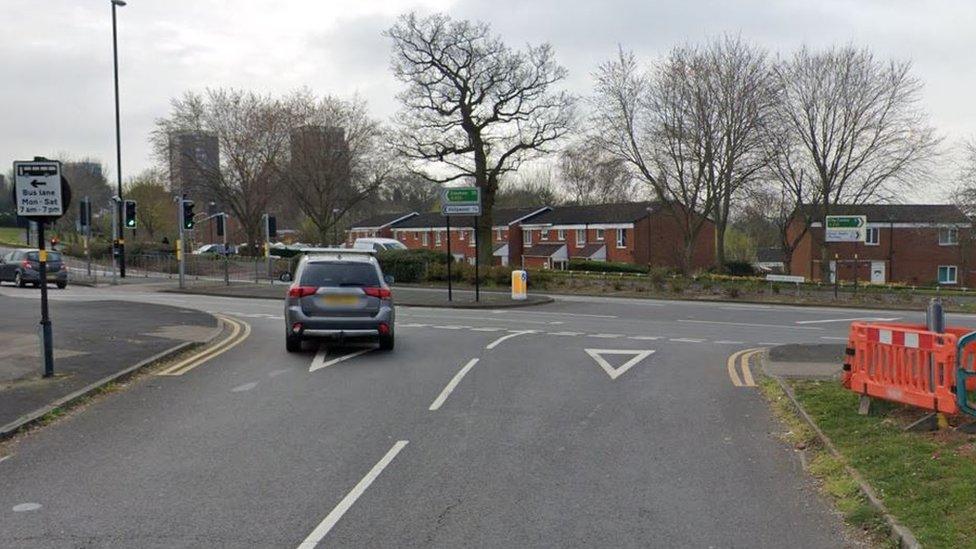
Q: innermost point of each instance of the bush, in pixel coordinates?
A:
(657, 275)
(739, 268)
(677, 285)
(732, 291)
(499, 275)
(539, 279)
(604, 266)
(409, 265)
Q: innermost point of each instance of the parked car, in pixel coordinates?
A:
(340, 295)
(378, 244)
(213, 249)
(22, 267)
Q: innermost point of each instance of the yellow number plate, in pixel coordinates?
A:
(340, 300)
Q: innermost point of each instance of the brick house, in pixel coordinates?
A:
(380, 225)
(429, 231)
(918, 244)
(643, 233)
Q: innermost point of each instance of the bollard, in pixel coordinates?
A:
(519, 285)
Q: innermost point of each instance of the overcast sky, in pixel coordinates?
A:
(56, 55)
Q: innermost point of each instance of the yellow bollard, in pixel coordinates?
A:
(519, 285)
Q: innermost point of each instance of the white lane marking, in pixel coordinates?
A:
(834, 338)
(614, 373)
(319, 361)
(786, 327)
(686, 340)
(770, 343)
(728, 342)
(333, 517)
(411, 316)
(245, 387)
(451, 327)
(645, 338)
(487, 329)
(605, 336)
(5, 458)
(276, 373)
(552, 313)
(565, 333)
(824, 321)
(23, 507)
(556, 322)
(439, 401)
(746, 307)
(411, 325)
(498, 341)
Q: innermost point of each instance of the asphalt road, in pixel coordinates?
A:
(535, 444)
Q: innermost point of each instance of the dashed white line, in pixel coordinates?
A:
(605, 336)
(645, 338)
(770, 343)
(333, 517)
(487, 329)
(728, 342)
(565, 333)
(751, 325)
(451, 385)
(498, 341)
(686, 340)
(450, 327)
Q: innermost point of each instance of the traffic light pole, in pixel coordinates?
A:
(116, 222)
(223, 222)
(267, 246)
(179, 246)
(118, 144)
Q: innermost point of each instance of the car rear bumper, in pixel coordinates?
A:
(340, 327)
(35, 276)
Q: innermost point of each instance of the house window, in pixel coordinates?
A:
(621, 238)
(498, 234)
(461, 235)
(948, 237)
(873, 237)
(528, 239)
(544, 234)
(423, 238)
(437, 238)
(580, 238)
(561, 235)
(599, 235)
(947, 274)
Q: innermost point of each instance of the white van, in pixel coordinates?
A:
(378, 244)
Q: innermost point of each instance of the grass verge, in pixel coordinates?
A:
(12, 237)
(927, 480)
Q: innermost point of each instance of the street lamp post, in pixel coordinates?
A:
(118, 139)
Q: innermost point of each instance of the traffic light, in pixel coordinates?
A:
(219, 220)
(272, 227)
(130, 214)
(187, 215)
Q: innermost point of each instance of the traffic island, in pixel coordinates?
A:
(916, 487)
(403, 295)
(96, 343)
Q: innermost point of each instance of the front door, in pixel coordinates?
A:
(878, 272)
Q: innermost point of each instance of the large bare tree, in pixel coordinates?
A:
(588, 175)
(338, 158)
(252, 131)
(658, 121)
(474, 109)
(848, 129)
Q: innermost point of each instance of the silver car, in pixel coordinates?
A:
(339, 294)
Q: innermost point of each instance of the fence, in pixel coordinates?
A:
(199, 269)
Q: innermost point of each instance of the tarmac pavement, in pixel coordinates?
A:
(587, 422)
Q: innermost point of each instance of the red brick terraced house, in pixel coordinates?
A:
(641, 233)
(916, 244)
(430, 231)
(377, 226)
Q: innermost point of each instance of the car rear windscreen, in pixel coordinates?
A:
(339, 274)
(51, 256)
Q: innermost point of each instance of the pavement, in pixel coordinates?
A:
(806, 361)
(92, 341)
(404, 295)
(589, 421)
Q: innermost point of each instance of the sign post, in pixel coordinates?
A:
(42, 195)
(845, 228)
(462, 201)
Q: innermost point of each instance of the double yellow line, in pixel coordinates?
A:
(239, 331)
(742, 357)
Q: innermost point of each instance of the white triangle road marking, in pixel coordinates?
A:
(614, 373)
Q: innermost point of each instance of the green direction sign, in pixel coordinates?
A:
(845, 228)
(461, 201)
(846, 221)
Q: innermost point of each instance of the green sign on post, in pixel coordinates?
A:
(845, 228)
(461, 201)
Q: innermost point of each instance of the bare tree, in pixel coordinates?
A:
(338, 157)
(658, 122)
(533, 185)
(849, 129)
(964, 193)
(156, 211)
(591, 176)
(252, 133)
(473, 108)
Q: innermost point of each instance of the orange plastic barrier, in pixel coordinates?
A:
(906, 363)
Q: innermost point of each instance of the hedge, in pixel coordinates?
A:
(410, 265)
(604, 266)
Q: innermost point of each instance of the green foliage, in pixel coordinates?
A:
(677, 285)
(412, 265)
(604, 266)
(657, 275)
(739, 246)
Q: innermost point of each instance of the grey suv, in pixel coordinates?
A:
(22, 267)
(339, 294)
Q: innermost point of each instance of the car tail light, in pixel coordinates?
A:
(384, 328)
(301, 291)
(296, 328)
(382, 293)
